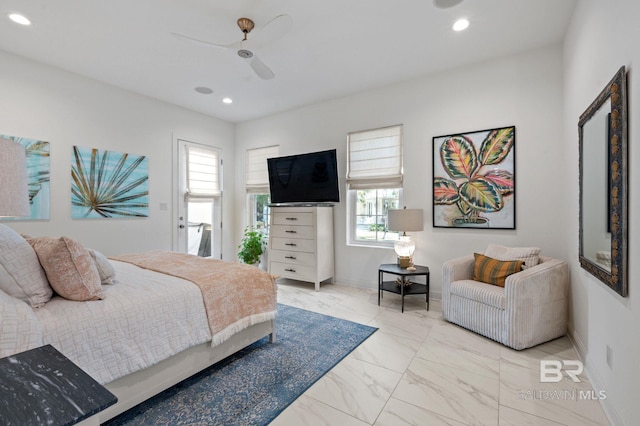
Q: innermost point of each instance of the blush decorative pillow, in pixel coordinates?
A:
(70, 269)
(493, 271)
(21, 275)
(105, 268)
(529, 255)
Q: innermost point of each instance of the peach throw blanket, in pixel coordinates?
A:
(236, 296)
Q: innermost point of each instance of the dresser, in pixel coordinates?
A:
(301, 243)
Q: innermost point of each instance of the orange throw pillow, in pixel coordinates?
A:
(493, 271)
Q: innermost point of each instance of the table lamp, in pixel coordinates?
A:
(403, 220)
(14, 195)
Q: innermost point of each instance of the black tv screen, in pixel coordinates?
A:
(304, 178)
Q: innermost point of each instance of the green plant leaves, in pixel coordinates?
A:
(445, 191)
(496, 145)
(458, 157)
(482, 195)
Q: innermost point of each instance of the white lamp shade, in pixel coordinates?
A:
(14, 192)
(405, 220)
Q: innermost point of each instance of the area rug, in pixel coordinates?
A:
(255, 385)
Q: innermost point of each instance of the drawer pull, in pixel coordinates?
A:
(290, 244)
(291, 218)
(290, 270)
(290, 257)
(291, 232)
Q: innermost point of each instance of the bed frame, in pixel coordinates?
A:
(137, 387)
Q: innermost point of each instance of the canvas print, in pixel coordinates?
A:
(108, 184)
(38, 172)
(474, 179)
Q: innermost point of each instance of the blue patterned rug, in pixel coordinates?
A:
(255, 385)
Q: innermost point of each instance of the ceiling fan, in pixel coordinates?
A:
(271, 31)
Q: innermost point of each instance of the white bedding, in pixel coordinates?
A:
(144, 318)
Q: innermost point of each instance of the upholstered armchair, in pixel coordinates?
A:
(530, 309)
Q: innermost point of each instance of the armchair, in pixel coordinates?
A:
(532, 308)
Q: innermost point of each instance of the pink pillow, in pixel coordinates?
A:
(69, 267)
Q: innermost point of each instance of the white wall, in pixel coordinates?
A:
(603, 36)
(523, 90)
(41, 102)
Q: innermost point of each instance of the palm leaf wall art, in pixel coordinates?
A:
(108, 184)
(474, 179)
(38, 176)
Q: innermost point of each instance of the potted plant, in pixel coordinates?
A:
(471, 186)
(252, 246)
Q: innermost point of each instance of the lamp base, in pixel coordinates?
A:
(404, 261)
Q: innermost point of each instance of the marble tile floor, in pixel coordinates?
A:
(418, 369)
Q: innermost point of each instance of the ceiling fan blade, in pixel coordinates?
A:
(235, 45)
(261, 70)
(273, 30)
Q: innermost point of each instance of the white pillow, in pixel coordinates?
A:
(530, 255)
(21, 275)
(105, 268)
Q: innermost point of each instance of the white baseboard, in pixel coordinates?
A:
(594, 377)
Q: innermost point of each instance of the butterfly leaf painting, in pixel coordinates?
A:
(474, 179)
(108, 184)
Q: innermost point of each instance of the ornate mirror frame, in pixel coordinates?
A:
(615, 95)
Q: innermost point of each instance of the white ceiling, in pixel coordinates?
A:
(334, 48)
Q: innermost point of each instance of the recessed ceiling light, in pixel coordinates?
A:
(460, 25)
(227, 100)
(19, 19)
(445, 4)
(203, 90)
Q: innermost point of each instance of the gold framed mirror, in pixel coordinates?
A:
(602, 132)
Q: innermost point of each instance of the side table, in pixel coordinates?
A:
(402, 290)
(42, 386)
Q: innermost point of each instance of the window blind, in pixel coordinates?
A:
(203, 173)
(375, 158)
(257, 175)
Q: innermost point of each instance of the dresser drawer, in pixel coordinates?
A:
(289, 231)
(299, 272)
(292, 257)
(292, 244)
(292, 218)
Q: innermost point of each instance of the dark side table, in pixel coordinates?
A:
(402, 290)
(43, 387)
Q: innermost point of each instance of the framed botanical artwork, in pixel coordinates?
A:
(474, 182)
(108, 184)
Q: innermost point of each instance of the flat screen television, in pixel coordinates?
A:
(304, 178)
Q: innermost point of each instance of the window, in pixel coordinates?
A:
(257, 185)
(374, 183)
(200, 194)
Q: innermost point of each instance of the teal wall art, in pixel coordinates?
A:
(108, 184)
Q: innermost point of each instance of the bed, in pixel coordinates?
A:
(150, 324)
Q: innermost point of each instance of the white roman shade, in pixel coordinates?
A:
(203, 173)
(257, 175)
(375, 158)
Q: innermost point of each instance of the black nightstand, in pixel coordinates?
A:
(393, 287)
(42, 386)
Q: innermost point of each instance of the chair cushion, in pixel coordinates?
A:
(530, 255)
(493, 271)
(487, 294)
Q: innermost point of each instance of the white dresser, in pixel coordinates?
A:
(301, 243)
